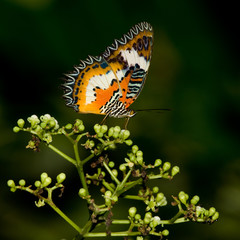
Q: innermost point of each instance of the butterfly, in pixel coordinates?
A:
(108, 84)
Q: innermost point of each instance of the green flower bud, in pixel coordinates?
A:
(100, 134)
(139, 153)
(33, 120)
(97, 128)
(182, 197)
(37, 184)
(135, 149)
(46, 182)
(108, 194)
(110, 131)
(155, 189)
(160, 196)
(103, 174)
(20, 123)
(43, 125)
(108, 201)
(212, 210)
(117, 129)
(91, 143)
(115, 198)
(129, 142)
(155, 221)
(157, 163)
(140, 160)
(61, 177)
(137, 216)
(198, 211)
(22, 182)
(148, 215)
(195, 200)
(52, 123)
(78, 122)
(125, 134)
(175, 170)
(16, 129)
(165, 232)
(132, 211)
(81, 127)
(139, 238)
(82, 192)
(68, 126)
(47, 137)
(115, 172)
(166, 166)
(111, 164)
(122, 167)
(115, 134)
(104, 128)
(43, 176)
(11, 183)
(215, 216)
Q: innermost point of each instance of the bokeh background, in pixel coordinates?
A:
(194, 72)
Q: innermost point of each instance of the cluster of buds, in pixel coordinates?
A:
(43, 183)
(76, 127)
(147, 224)
(195, 212)
(116, 133)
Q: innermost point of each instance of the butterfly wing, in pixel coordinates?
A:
(130, 58)
(112, 81)
(91, 87)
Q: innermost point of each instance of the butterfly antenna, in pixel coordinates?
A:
(160, 110)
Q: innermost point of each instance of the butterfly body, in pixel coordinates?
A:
(110, 83)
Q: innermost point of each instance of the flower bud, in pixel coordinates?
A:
(175, 170)
(110, 131)
(132, 211)
(134, 148)
(115, 198)
(212, 210)
(61, 177)
(165, 232)
(78, 122)
(158, 162)
(125, 134)
(215, 216)
(195, 200)
(160, 196)
(155, 189)
(97, 128)
(108, 194)
(155, 221)
(129, 142)
(117, 129)
(22, 182)
(108, 201)
(20, 123)
(104, 128)
(140, 160)
(11, 183)
(115, 172)
(33, 120)
(166, 166)
(111, 164)
(16, 129)
(137, 216)
(122, 167)
(139, 238)
(37, 184)
(43, 176)
(46, 182)
(68, 126)
(81, 127)
(182, 197)
(82, 192)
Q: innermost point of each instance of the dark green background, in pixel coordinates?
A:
(194, 71)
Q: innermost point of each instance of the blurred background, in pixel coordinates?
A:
(194, 71)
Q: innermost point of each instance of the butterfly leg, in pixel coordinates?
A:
(126, 123)
(104, 119)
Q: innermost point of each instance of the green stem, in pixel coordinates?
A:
(110, 172)
(88, 158)
(113, 234)
(133, 197)
(69, 159)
